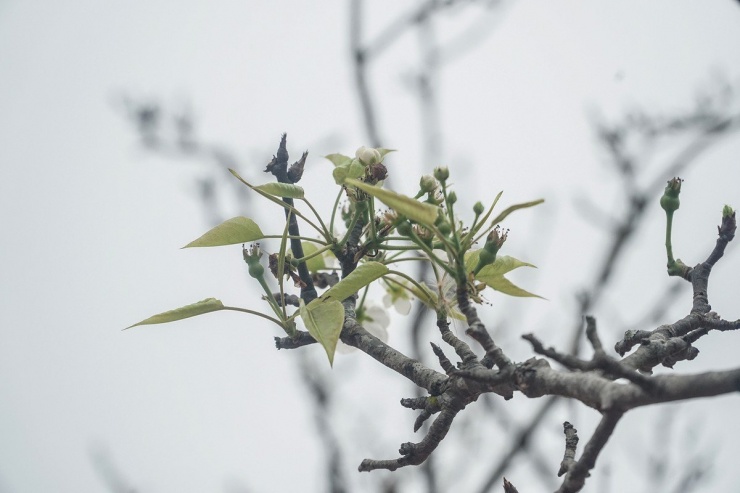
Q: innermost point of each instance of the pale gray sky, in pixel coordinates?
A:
(93, 225)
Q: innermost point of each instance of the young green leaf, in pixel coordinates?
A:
(316, 263)
(383, 151)
(266, 195)
(421, 212)
(206, 306)
(500, 283)
(340, 174)
(324, 320)
(285, 190)
(499, 267)
(502, 265)
(515, 207)
(359, 278)
(339, 159)
(230, 232)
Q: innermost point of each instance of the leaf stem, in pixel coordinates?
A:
(253, 312)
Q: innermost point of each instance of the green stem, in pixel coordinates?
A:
(411, 280)
(355, 217)
(316, 253)
(252, 312)
(668, 245)
(270, 298)
(361, 304)
(334, 212)
(327, 234)
(302, 238)
(430, 253)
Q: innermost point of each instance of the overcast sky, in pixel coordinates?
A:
(93, 223)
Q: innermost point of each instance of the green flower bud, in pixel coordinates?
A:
(478, 208)
(445, 228)
(404, 228)
(441, 173)
(670, 201)
(451, 198)
(494, 242)
(428, 184)
(252, 258)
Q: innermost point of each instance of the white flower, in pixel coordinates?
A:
(401, 303)
(399, 296)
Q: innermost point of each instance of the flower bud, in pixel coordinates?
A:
(445, 228)
(441, 173)
(252, 258)
(494, 242)
(670, 201)
(428, 184)
(451, 198)
(368, 155)
(404, 228)
(478, 208)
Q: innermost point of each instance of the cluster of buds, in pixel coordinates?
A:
(372, 159)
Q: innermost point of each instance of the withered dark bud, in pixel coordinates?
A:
(375, 173)
(324, 280)
(295, 172)
(287, 270)
(273, 264)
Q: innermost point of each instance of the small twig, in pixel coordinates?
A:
(509, 488)
(571, 442)
(578, 472)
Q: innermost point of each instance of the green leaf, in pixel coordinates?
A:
(265, 194)
(500, 283)
(383, 151)
(235, 230)
(515, 207)
(314, 264)
(356, 169)
(340, 174)
(421, 212)
(285, 190)
(499, 267)
(324, 320)
(472, 257)
(359, 278)
(206, 306)
(339, 159)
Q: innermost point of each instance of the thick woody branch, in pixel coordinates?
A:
(607, 365)
(535, 378)
(353, 334)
